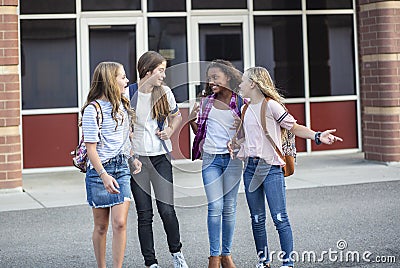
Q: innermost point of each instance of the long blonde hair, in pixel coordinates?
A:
(104, 83)
(260, 76)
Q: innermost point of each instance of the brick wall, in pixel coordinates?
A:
(10, 136)
(379, 49)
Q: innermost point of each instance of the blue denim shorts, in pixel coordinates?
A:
(97, 196)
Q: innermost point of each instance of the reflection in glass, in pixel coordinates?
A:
(222, 41)
(219, 4)
(165, 6)
(168, 37)
(331, 55)
(279, 48)
(48, 64)
(277, 5)
(108, 5)
(219, 41)
(114, 43)
(47, 6)
(329, 4)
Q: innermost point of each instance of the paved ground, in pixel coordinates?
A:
(331, 199)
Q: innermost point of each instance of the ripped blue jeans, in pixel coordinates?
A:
(265, 181)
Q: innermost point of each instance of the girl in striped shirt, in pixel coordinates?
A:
(108, 149)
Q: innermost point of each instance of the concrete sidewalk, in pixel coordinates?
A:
(58, 189)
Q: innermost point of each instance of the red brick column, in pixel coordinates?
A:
(10, 92)
(379, 50)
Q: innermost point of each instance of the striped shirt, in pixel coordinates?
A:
(111, 142)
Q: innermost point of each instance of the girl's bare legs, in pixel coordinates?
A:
(119, 215)
(101, 219)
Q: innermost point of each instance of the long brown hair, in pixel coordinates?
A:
(229, 70)
(148, 62)
(104, 83)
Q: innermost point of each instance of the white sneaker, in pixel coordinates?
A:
(286, 266)
(179, 260)
(154, 266)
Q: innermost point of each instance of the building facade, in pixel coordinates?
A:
(337, 62)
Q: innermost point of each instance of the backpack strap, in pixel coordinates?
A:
(243, 112)
(239, 133)
(133, 95)
(264, 126)
(99, 116)
(246, 105)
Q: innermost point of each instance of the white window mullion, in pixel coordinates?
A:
(356, 72)
(307, 109)
(252, 55)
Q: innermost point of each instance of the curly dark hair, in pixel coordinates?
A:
(229, 70)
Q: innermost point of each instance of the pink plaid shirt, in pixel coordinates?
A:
(206, 104)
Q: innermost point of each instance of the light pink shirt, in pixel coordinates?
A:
(256, 143)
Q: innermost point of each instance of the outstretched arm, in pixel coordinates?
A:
(325, 137)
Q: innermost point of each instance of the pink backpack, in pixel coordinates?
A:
(79, 155)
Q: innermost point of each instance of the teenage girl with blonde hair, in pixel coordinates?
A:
(263, 176)
(108, 177)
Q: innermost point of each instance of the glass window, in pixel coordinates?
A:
(163, 6)
(168, 37)
(331, 55)
(219, 41)
(222, 41)
(279, 48)
(48, 64)
(47, 6)
(219, 4)
(329, 4)
(108, 5)
(122, 40)
(277, 5)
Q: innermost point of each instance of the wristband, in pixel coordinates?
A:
(317, 138)
(101, 172)
(135, 156)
